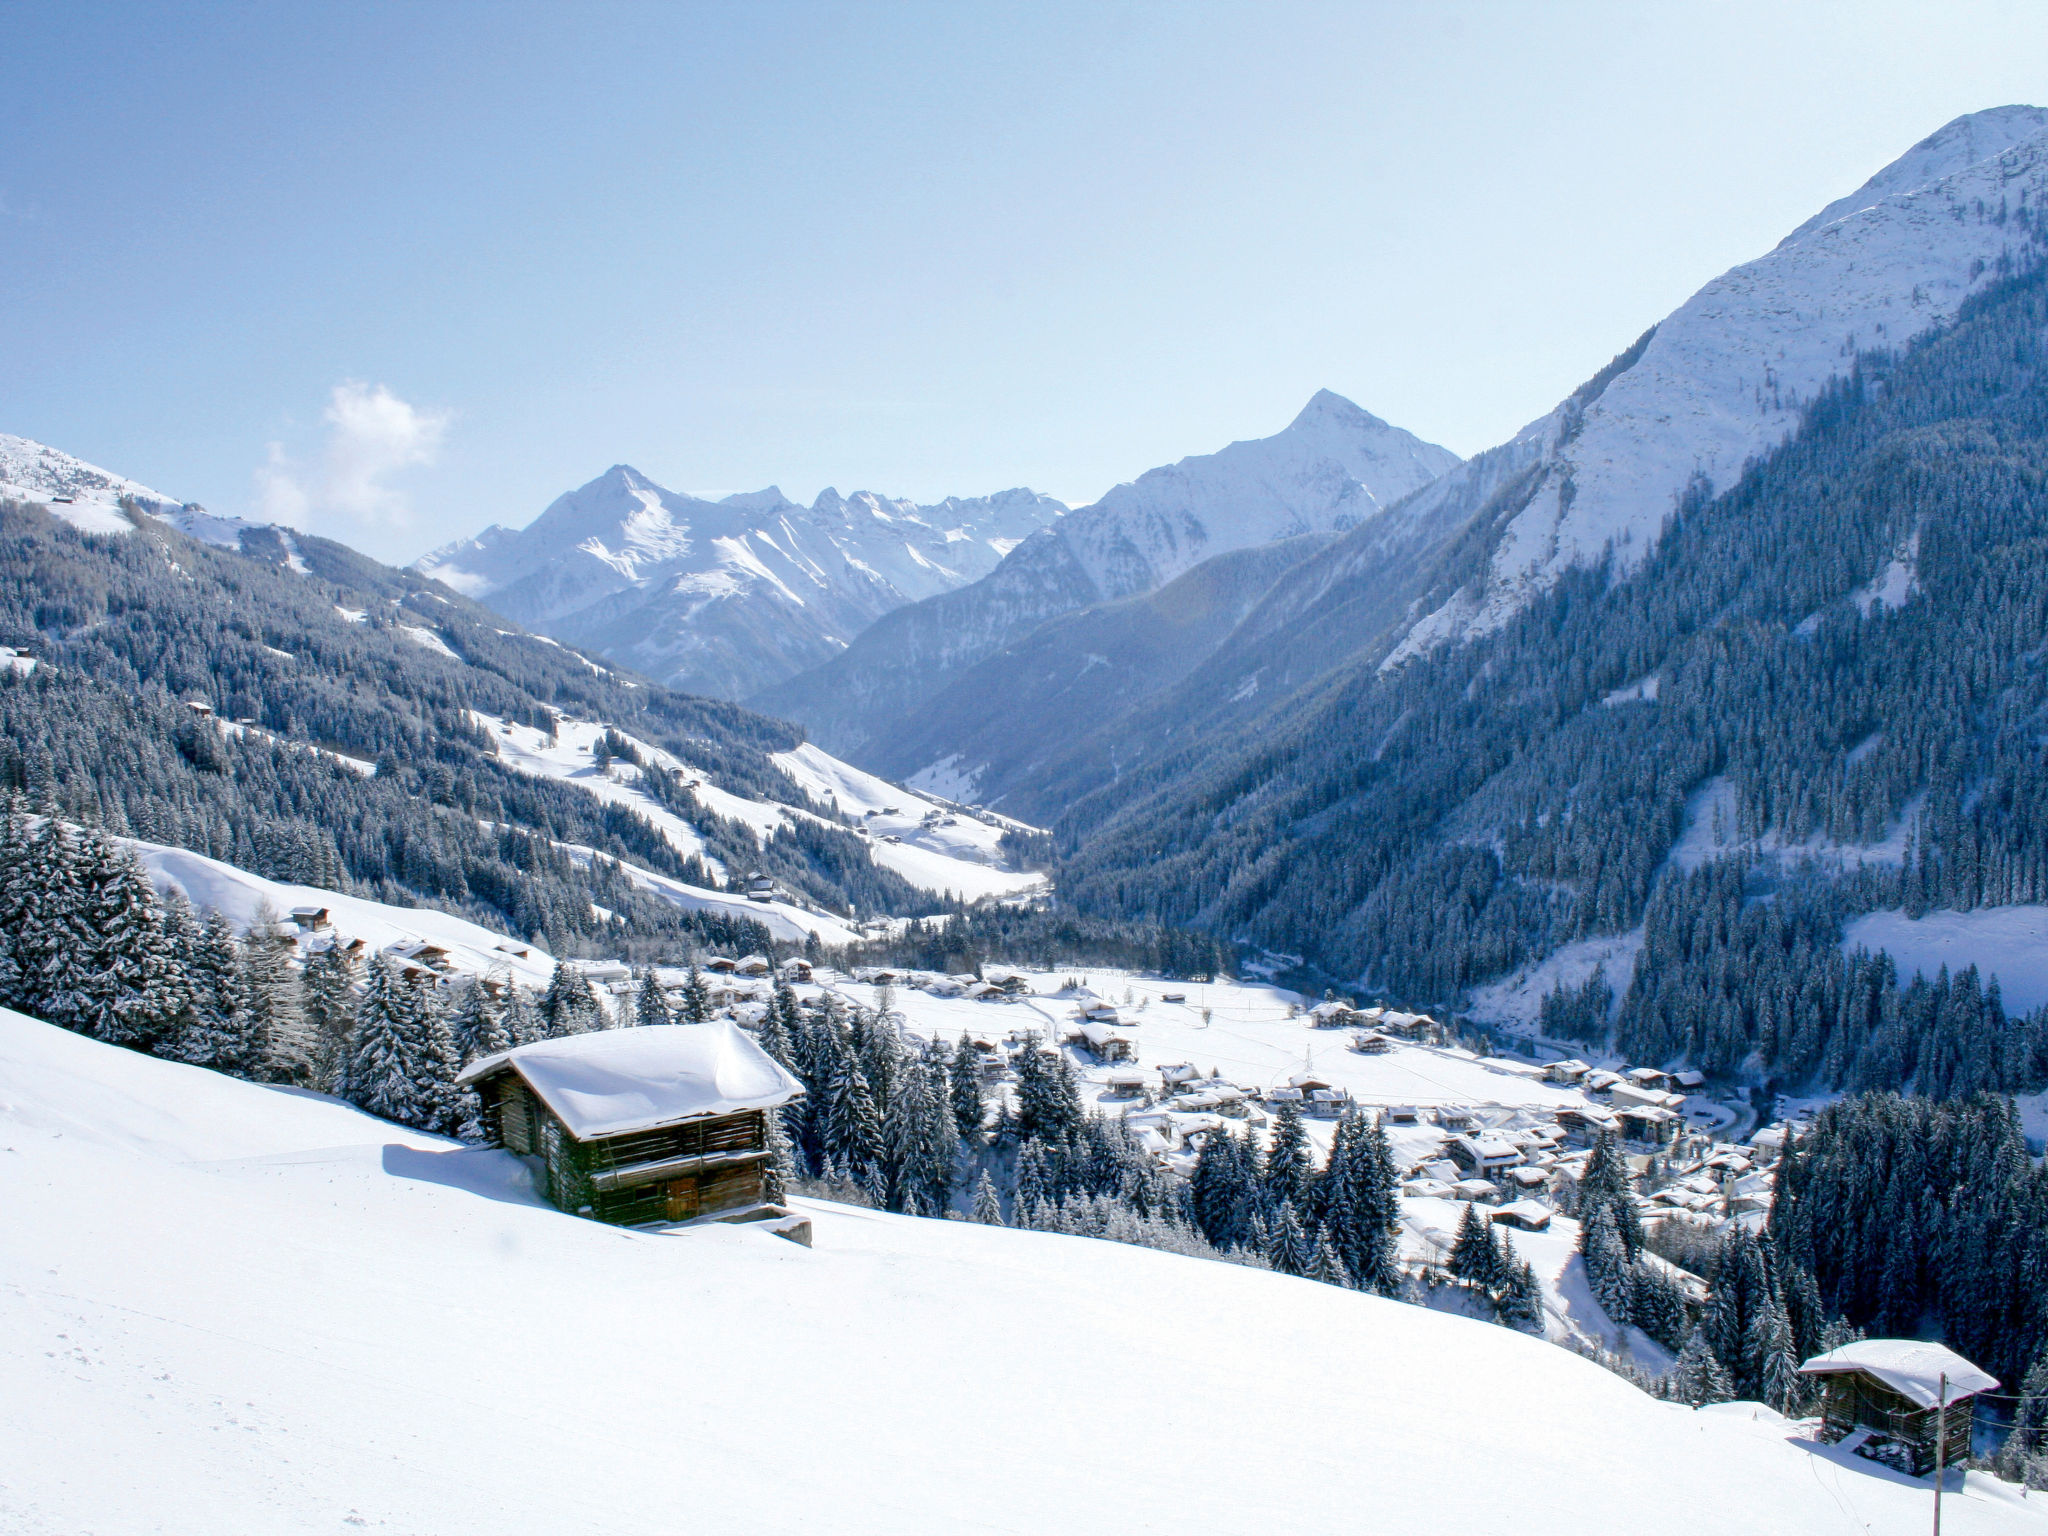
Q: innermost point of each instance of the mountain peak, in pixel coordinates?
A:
(1326, 405)
(1955, 146)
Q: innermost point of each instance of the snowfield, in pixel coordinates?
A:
(962, 858)
(2010, 943)
(238, 895)
(229, 1308)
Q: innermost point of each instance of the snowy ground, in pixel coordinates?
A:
(962, 859)
(237, 895)
(227, 1308)
(2010, 943)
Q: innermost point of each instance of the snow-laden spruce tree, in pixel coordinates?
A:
(649, 1006)
(696, 997)
(476, 1021)
(329, 981)
(1358, 1192)
(1607, 1265)
(779, 1172)
(988, 1205)
(522, 1021)
(220, 1030)
(963, 1087)
(275, 997)
(570, 1007)
(1288, 1166)
(51, 944)
(132, 992)
(851, 1129)
(1697, 1377)
(403, 1063)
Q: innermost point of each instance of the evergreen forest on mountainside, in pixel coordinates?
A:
(304, 669)
(1430, 827)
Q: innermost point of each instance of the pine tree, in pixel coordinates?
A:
(330, 1007)
(696, 997)
(852, 1130)
(988, 1205)
(964, 1091)
(522, 1022)
(570, 1007)
(1287, 1245)
(1698, 1377)
(1326, 1266)
(1287, 1159)
(1606, 1183)
(1607, 1265)
(476, 1022)
(1520, 1302)
(1472, 1252)
(275, 998)
(132, 993)
(220, 1030)
(779, 1172)
(650, 1007)
(380, 1076)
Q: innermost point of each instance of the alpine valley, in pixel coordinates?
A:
(1333, 986)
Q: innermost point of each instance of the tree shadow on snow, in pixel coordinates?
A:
(482, 1171)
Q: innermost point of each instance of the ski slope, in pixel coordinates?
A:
(228, 1308)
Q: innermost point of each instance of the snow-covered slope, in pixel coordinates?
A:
(89, 498)
(230, 1308)
(1725, 377)
(1333, 467)
(933, 845)
(727, 597)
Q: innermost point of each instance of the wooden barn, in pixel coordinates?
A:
(1900, 1393)
(641, 1126)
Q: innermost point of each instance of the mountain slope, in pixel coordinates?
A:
(298, 1318)
(1728, 374)
(1692, 401)
(365, 730)
(1333, 467)
(729, 597)
(1822, 686)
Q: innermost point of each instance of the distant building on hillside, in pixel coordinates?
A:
(658, 1124)
(1891, 1398)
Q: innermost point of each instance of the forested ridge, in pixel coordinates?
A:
(299, 665)
(1851, 640)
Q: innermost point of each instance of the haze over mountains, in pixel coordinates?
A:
(1333, 467)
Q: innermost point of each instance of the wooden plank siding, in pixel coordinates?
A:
(674, 1173)
(1853, 1400)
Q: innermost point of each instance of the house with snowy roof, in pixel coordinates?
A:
(1899, 1400)
(664, 1123)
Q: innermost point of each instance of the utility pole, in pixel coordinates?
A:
(1940, 1447)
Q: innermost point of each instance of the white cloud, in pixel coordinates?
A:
(349, 494)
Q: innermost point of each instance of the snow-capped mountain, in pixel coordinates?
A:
(730, 596)
(1726, 376)
(1333, 467)
(89, 498)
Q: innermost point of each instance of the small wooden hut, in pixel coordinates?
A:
(658, 1124)
(1898, 1391)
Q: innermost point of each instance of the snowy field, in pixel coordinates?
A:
(2010, 943)
(961, 859)
(238, 895)
(227, 1308)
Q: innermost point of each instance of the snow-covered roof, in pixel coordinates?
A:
(1908, 1366)
(613, 1081)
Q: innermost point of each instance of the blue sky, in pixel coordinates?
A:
(399, 271)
